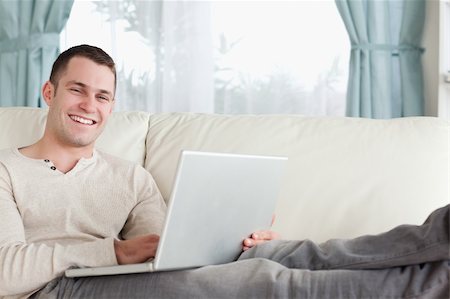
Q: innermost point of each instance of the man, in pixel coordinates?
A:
(63, 204)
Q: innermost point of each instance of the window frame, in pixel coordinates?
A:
(444, 60)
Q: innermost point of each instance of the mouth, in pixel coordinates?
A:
(82, 120)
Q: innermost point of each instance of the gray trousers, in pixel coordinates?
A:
(406, 262)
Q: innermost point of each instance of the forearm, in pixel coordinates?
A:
(27, 267)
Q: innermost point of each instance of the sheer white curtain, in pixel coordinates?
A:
(220, 56)
(188, 65)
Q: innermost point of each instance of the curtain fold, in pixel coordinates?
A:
(187, 80)
(29, 43)
(385, 72)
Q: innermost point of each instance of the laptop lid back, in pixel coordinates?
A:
(217, 201)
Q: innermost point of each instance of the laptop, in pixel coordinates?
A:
(217, 201)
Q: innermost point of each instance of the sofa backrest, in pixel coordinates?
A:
(345, 176)
(20, 126)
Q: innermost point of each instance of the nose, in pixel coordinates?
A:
(88, 103)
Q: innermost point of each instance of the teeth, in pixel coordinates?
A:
(82, 120)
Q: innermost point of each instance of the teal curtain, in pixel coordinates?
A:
(29, 43)
(385, 75)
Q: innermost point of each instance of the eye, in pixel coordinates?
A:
(76, 90)
(103, 98)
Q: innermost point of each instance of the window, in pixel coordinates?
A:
(221, 56)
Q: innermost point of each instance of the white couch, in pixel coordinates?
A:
(345, 176)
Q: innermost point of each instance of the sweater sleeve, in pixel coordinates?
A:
(148, 215)
(27, 267)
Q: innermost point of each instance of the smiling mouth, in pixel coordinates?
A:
(82, 120)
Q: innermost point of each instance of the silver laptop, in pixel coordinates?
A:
(217, 201)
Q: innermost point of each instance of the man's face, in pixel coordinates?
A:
(81, 104)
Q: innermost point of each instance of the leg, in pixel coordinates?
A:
(422, 251)
(403, 245)
(261, 278)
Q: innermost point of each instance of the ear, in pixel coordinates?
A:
(48, 90)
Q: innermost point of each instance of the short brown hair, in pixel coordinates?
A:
(95, 54)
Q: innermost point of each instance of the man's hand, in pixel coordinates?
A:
(136, 250)
(259, 237)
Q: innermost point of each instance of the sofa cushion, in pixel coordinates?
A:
(345, 176)
(124, 134)
(21, 126)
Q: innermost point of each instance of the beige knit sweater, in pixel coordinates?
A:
(50, 221)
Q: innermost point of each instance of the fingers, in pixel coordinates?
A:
(249, 243)
(259, 237)
(265, 235)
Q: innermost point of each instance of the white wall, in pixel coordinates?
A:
(430, 58)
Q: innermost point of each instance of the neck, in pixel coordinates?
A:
(63, 157)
